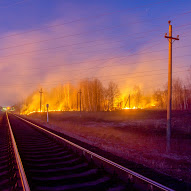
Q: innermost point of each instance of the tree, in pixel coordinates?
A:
(137, 95)
(112, 95)
(158, 97)
(177, 94)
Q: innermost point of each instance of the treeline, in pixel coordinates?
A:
(181, 95)
(93, 96)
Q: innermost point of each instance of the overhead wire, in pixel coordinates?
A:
(16, 3)
(109, 65)
(80, 19)
(57, 38)
(77, 34)
(93, 60)
(67, 81)
(104, 60)
(165, 49)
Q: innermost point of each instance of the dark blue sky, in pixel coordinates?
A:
(35, 13)
(77, 35)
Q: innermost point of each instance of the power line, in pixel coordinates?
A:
(81, 43)
(98, 60)
(183, 56)
(23, 53)
(83, 62)
(106, 66)
(41, 92)
(7, 56)
(77, 34)
(54, 48)
(92, 45)
(78, 20)
(14, 4)
(32, 51)
(87, 69)
(125, 74)
(91, 61)
(57, 38)
(67, 81)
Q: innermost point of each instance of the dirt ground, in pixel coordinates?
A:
(138, 136)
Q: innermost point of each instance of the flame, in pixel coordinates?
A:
(132, 108)
(64, 98)
(50, 110)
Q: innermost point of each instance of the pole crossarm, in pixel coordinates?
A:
(172, 37)
(40, 98)
(80, 92)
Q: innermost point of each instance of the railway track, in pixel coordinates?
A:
(9, 174)
(50, 162)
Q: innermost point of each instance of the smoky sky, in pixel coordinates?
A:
(46, 43)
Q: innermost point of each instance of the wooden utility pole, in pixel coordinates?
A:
(40, 98)
(77, 101)
(47, 105)
(129, 102)
(169, 103)
(80, 92)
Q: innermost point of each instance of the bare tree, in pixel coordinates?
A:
(177, 94)
(112, 95)
(137, 94)
(158, 97)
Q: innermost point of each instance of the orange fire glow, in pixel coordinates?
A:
(64, 98)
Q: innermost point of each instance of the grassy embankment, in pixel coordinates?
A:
(136, 135)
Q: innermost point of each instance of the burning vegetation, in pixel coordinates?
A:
(93, 96)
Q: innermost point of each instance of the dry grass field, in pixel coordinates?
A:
(137, 135)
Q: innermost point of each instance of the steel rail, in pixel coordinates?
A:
(22, 174)
(118, 166)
